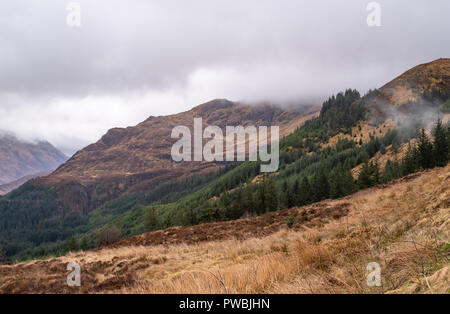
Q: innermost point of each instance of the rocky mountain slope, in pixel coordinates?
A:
(19, 159)
(420, 90)
(428, 78)
(128, 160)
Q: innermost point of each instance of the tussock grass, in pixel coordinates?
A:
(402, 226)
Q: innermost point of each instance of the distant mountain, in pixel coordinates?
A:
(8, 187)
(19, 159)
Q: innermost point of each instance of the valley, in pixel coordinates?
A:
(365, 179)
(402, 225)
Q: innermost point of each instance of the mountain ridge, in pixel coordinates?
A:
(413, 84)
(126, 160)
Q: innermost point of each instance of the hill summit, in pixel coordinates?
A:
(424, 80)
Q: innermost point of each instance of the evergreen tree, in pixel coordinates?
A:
(169, 220)
(291, 198)
(375, 172)
(287, 196)
(72, 244)
(341, 182)
(261, 197)
(440, 148)
(335, 182)
(190, 218)
(425, 150)
(365, 176)
(271, 195)
(237, 209)
(206, 214)
(388, 173)
(225, 201)
(396, 169)
(85, 243)
(151, 221)
(249, 201)
(363, 156)
(448, 141)
(320, 186)
(347, 182)
(410, 160)
(304, 192)
(284, 195)
(295, 192)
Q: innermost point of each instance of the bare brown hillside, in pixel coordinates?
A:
(403, 226)
(415, 82)
(128, 160)
(415, 91)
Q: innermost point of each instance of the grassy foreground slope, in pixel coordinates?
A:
(403, 226)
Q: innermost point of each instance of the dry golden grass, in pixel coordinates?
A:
(403, 226)
(363, 131)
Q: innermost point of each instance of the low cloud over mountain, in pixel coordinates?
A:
(130, 60)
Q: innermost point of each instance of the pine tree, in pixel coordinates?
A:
(72, 244)
(249, 201)
(151, 221)
(320, 186)
(410, 161)
(237, 209)
(287, 196)
(396, 169)
(225, 201)
(296, 192)
(363, 156)
(347, 182)
(284, 195)
(261, 197)
(190, 218)
(341, 182)
(85, 243)
(425, 150)
(169, 222)
(335, 182)
(206, 213)
(375, 172)
(271, 195)
(291, 198)
(304, 192)
(388, 173)
(365, 178)
(448, 141)
(440, 148)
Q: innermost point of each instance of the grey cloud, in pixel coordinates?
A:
(193, 50)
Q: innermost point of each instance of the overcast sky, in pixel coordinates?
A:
(133, 59)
